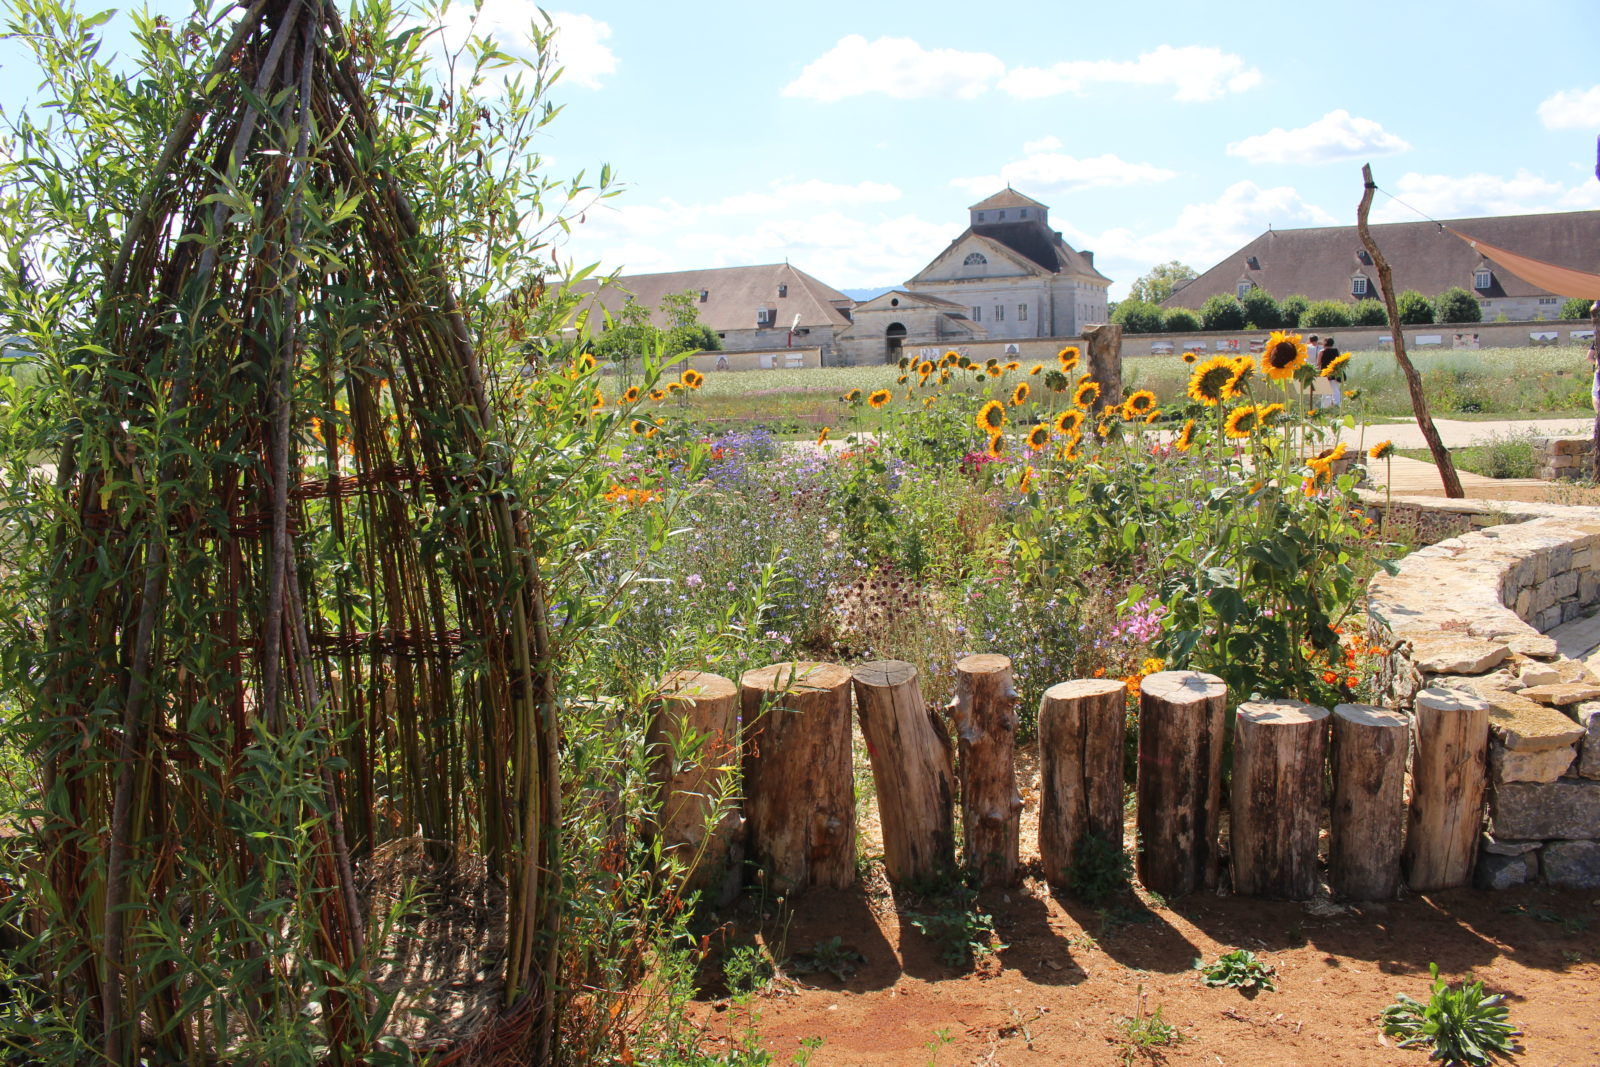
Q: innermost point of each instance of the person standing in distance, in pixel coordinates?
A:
(1325, 359)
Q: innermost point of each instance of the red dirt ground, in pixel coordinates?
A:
(1054, 996)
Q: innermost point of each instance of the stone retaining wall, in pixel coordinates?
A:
(1564, 458)
(1429, 519)
(1470, 613)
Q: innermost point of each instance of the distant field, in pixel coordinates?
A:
(1503, 382)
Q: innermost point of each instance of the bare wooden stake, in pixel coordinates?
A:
(911, 765)
(1448, 781)
(1367, 824)
(1182, 720)
(1279, 750)
(985, 714)
(1082, 728)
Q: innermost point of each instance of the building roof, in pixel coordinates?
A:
(883, 301)
(1320, 262)
(1007, 197)
(733, 295)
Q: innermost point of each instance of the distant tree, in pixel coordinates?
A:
(1325, 314)
(630, 333)
(1576, 308)
(692, 337)
(681, 309)
(1261, 310)
(1180, 320)
(1137, 316)
(1415, 309)
(1222, 312)
(1161, 282)
(1291, 308)
(1368, 312)
(1457, 305)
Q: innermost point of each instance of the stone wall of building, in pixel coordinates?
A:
(1419, 339)
(1472, 613)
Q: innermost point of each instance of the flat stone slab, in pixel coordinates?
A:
(1503, 872)
(1563, 694)
(1544, 766)
(1572, 864)
(1533, 674)
(1448, 654)
(1577, 639)
(1534, 646)
(1523, 725)
(1568, 808)
(1490, 843)
(1589, 748)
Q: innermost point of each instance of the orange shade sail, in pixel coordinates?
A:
(1563, 281)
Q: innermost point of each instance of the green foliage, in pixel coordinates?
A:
(1145, 1035)
(1508, 455)
(828, 957)
(1415, 309)
(1462, 1024)
(1325, 315)
(1101, 870)
(1137, 316)
(1368, 312)
(1161, 281)
(1180, 320)
(1222, 312)
(1239, 969)
(1576, 308)
(964, 933)
(1261, 310)
(1293, 308)
(1456, 305)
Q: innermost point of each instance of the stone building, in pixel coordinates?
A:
(1329, 262)
(1007, 276)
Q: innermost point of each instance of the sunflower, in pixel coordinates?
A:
(693, 379)
(992, 417)
(944, 376)
(1155, 413)
(1242, 421)
(822, 435)
(674, 387)
(1011, 366)
(997, 445)
(927, 401)
(585, 364)
(1268, 414)
(879, 398)
(1039, 436)
(652, 431)
(1069, 451)
(963, 362)
(1190, 357)
(950, 356)
(1086, 395)
(901, 380)
(597, 402)
(1019, 395)
(1026, 481)
(1102, 429)
(1210, 379)
(1069, 422)
(1337, 365)
(992, 361)
(924, 369)
(994, 370)
(631, 396)
(1068, 358)
(1185, 439)
(1284, 352)
(637, 426)
(852, 397)
(1138, 404)
(1381, 450)
(658, 394)
(1244, 368)
(1056, 382)
(1037, 367)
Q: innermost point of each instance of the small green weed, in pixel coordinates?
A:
(1463, 1025)
(1145, 1035)
(941, 1038)
(828, 957)
(964, 934)
(748, 971)
(1239, 969)
(1100, 870)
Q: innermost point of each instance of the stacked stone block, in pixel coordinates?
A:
(1563, 458)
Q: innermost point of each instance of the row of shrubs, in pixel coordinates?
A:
(1259, 310)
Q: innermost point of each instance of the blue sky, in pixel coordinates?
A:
(849, 138)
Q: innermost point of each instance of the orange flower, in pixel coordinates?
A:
(1329, 677)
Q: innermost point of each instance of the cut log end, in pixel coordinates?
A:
(1082, 688)
(984, 663)
(884, 673)
(1184, 687)
(1282, 712)
(697, 685)
(797, 677)
(1368, 715)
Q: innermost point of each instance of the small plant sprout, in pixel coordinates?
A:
(1239, 969)
(1143, 1035)
(1464, 1025)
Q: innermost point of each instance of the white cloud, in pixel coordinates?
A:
(1571, 109)
(896, 66)
(1336, 135)
(1043, 169)
(579, 44)
(1193, 72)
(1447, 196)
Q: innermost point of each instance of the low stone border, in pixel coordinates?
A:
(1563, 458)
(1470, 613)
(1428, 519)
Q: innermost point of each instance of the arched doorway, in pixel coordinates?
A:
(893, 337)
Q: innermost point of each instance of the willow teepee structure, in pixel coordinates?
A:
(294, 613)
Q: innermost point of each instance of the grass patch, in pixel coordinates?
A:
(1501, 456)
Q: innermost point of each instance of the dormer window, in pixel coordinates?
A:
(1243, 289)
(783, 291)
(974, 259)
(1482, 279)
(1364, 256)
(1253, 263)
(1358, 286)
(704, 295)
(764, 316)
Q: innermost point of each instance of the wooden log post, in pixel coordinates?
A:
(1104, 360)
(1450, 731)
(1082, 727)
(1368, 813)
(800, 816)
(985, 715)
(1280, 748)
(694, 757)
(1182, 723)
(911, 766)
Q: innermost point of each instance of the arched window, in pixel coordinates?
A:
(974, 259)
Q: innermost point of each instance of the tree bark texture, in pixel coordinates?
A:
(985, 715)
(1279, 750)
(1105, 361)
(911, 766)
(1368, 813)
(694, 756)
(1448, 779)
(800, 818)
(1082, 728)
(1182, 723)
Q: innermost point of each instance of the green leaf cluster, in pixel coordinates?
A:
(1463, 1024)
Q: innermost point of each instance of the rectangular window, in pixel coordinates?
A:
(977, 314)
(1022, 312)
(1002, 215)
(1243, 290)
(1482, 279)
(999, 313)
(1549, 300)
(1358, 287)
(763, 317)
